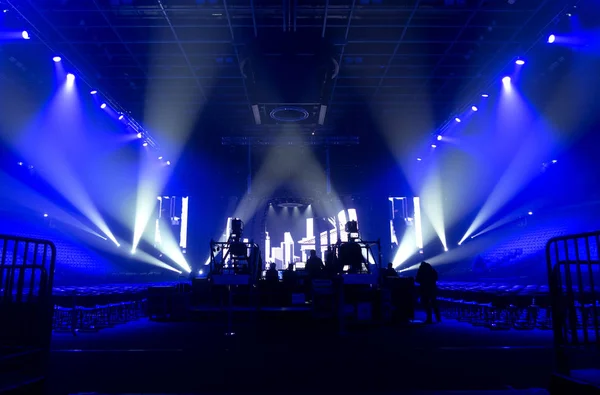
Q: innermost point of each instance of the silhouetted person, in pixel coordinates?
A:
(427, 278)
(272, 274)
(314, 266)
(390, 271)
(351, 255)
(330, 265)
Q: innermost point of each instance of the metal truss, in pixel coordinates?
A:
(291, 140)
(401, 55)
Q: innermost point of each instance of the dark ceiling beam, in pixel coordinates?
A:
(454, 42)
(342, 44)
(341, 57)
(116, 33)
(212, 55)
(398, 44)
(290, 140)
(180, 45)
(295, 15)
(237, 54)
(239, 77)
(254, 25)
(337, 10)
(325, 19)
(283, 15)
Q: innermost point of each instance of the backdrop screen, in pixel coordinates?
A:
(291, 233)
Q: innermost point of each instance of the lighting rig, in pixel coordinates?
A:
(237, 260)
(359, 256)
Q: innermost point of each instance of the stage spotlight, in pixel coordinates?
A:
(530, 213)
(554, 161)
(56, 59)
(485, 95)
(103, 105)
(139, 135)
(145, 144)
(551, 38)
(439, 137)
(433, 146)
(520, 62)
(168, 163)
(446, 249)
(20, 163)
(45, 215)
(93, 92)
(474, 108)
(457, 119)
(160, 158)
(506, 80)
(121, 117)
(25, 35)
(419, 159)
(70, 78)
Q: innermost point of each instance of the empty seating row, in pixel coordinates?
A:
(91, 308)
(505, 306)
(522, 244)
(496, 305)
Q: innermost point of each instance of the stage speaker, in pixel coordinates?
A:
(402, 291)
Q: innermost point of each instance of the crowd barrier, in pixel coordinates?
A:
(26, 279)
(573, 265)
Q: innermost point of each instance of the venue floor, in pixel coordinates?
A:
(287, 356)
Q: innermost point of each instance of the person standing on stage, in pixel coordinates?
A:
(427, 278)
(314, 266)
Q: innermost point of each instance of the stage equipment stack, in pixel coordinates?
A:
(235, 267)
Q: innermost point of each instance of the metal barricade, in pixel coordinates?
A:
(26, 276)
(574, 278)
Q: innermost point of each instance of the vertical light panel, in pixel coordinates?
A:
(393, 237)
(352, 216)
(418, 228)
(342, 219)
(184, 222)
(289, 248)
(267, 248)
(157, 223)
(310, 228)
(157, 238)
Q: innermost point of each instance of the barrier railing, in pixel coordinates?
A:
(26, 277)
(574, 278)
